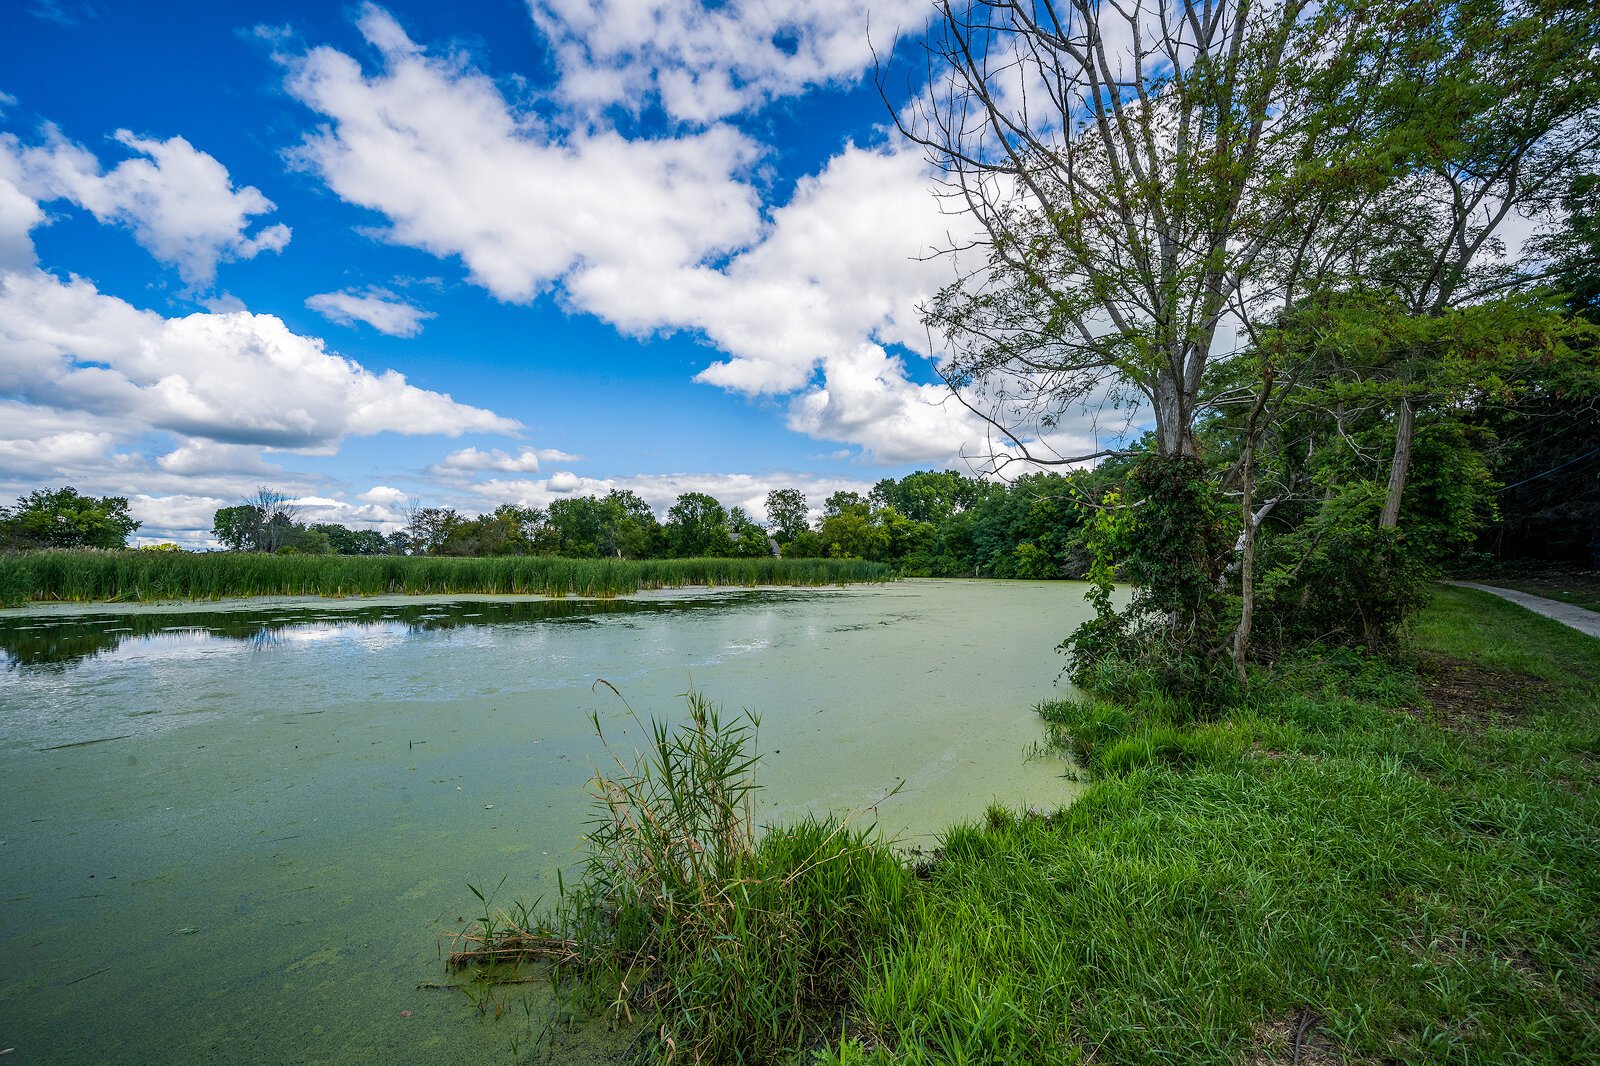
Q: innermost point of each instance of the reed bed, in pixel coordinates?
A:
(131, 576)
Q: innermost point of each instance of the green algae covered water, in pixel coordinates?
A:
(238, 834)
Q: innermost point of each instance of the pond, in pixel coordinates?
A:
(238, 834)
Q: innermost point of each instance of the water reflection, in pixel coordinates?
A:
(56, 644)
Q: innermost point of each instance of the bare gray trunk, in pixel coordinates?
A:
(1172, 419)
(1404, 431)
(1247, 584)
(1247, 547)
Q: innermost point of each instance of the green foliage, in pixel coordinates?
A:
(235, 527)
(617, 525)
(1575, 248)
(787, 514)
(1027, 529)
(946, 524)
(698, 525)
(1166, 535)
(929, 495)
(64, 518)
(851, 531)
(345, 541)
(1338, 579)
(747, 540)
(1546, 439)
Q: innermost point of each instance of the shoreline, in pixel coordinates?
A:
(78, 608)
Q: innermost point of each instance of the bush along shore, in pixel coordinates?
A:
(87, 575)
(1362, 860)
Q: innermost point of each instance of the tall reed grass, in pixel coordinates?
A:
(734, 946)
(128, 576)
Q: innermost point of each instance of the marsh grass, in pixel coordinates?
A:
(729, 945)
(133, 576)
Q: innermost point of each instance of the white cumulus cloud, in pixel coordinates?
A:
(210, 457)
(703, 62)
(385, 496)
(233, 378)
(179, 202)
(433, 145)
(51, 454)
(19, 214)
(525, 461)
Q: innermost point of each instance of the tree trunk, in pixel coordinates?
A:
(1405, 430)
(1247, 588)
(1173, 436)
(1247, 552)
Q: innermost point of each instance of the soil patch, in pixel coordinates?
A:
(1294, 1039)
(1466, 696)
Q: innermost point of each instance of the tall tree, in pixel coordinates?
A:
(697, 525)
(632, 531)
(787, 514)
(265, 521)
(928, 495)
(1128, 166)
(65, 518)
(436, 531)
(1494, 108)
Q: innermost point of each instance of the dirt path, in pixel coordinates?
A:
(1582, 620)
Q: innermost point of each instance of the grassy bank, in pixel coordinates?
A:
(1369, 862)
(1378, 862)
(131, 576)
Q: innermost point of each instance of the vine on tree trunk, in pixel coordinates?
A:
(1167, 534)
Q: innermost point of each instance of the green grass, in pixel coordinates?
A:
(133, 576)
(1382, 861)
(1416, 885)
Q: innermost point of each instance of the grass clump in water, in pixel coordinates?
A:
(732, 945)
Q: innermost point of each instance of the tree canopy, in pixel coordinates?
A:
(65, 518)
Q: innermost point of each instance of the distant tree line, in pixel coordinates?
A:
(930, 523)
(269, 521)
(947, 524)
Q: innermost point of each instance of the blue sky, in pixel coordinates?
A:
(465, 253)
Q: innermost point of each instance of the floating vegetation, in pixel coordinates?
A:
(86, 576)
